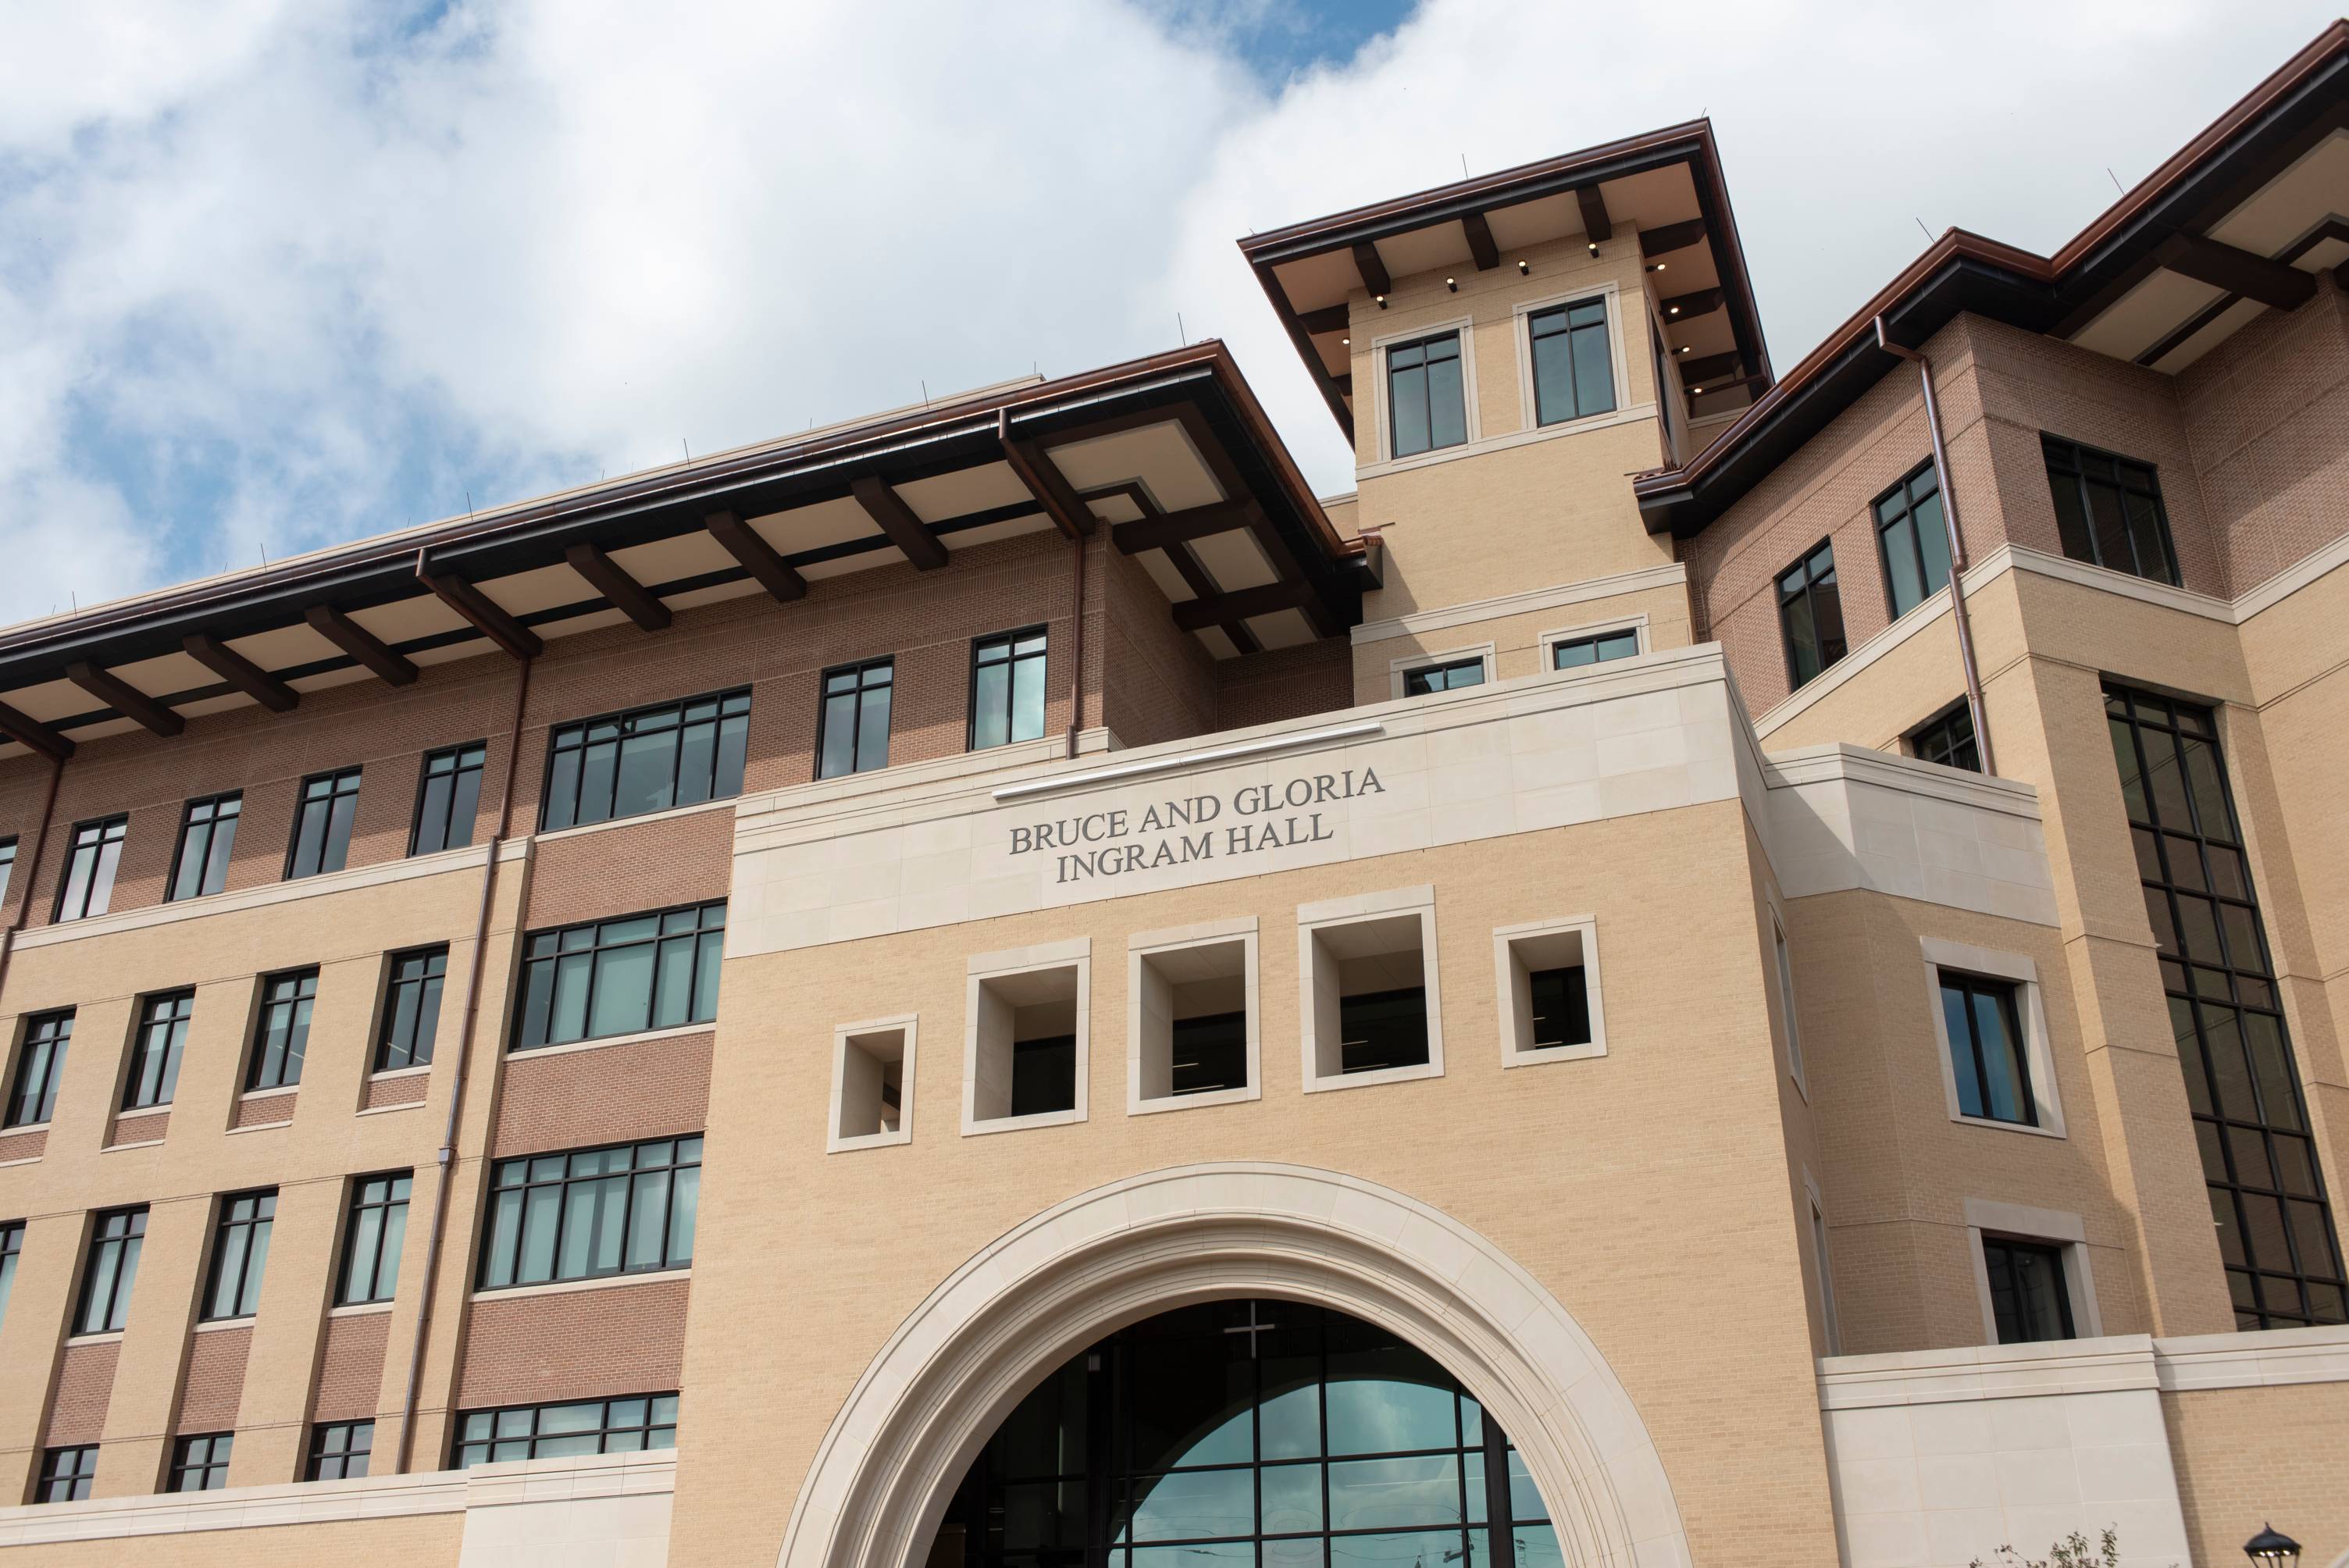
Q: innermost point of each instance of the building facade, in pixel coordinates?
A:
(1711, 968)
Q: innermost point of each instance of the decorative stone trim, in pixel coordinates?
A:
(1525, 603)
(571, 1286)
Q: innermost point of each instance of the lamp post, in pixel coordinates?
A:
(2271, 1547)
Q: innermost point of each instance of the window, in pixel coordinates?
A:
(1948, 740)
(339, 1450)
(283, 1033)
(1830, 1330)
(2029, 1299)
(372, 1234)
(114, 1239)
(1786, 998)
(1548, 974)
(91, 856)
(1192, 1016)
(2108, 511)
(240, 1252)
(1987, 1049)
(871, 1064)
(1007, 688)
(585, 1427)
(1026, 1039)
(40, 1068)
(155, 1056)
(627, 1209)
(1427, 400)
(12, 1242)
(2274, 1224)
(447, 796)
(1914, 539)
(649, 760)
(1574, 370)
(201, 1463)
(1810, 614)
(1574, 653)
(853, 726)
(1368, 973)
(8, 866)
(622, 976)
(66, 1473)
(411, 1009)
(1430, 678)
(207, 835)
(322, 823)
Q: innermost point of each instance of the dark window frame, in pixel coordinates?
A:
(175, 1011)
(576, 738)
(1536, 336)
(74, 1466)
(345, 1447)
(545, 951)
(858, 695)
(681, 1200)
(226, 809)
(427, 982)
(1012, 660)
(111, 833)
(260, 1071)
(329, 802)
(12, 1247)
(465, 760)
(117, 1237)
(383, 1242)
(1415, 680)
(651, 1429)
(1813, 579)
(1598, 643)
(242, 1225)
(2070, 462)
(2009, 1250)
(2006, 997)
(1948, 738)
(52, 1046)
(1423, 366)
(8, 866)
(202, 1458)
(1906, 493)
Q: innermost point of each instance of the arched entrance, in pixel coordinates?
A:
(965, 1359)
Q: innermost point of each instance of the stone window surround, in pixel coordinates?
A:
(1508, 969)
(1465, 326)
(1521, 346)
(1361, 908)
(1240, 931)
(2050, 1227)
(2030, 1011)
(1398, 668)
(905, 1026)
(1075, 953)
(1548, 642)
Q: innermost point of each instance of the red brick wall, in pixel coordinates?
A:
(215, 1381)
(351, 1367)
(24, 1145)
(1159, 681)
(611, 1094)
(145, 1128)
(632, 867)
(574, 1345)
(410, 1090)
(262, 1112)
(85, 1386)
(1286, 682)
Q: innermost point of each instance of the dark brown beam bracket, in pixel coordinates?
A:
(2207, 261)
(1713, 367)
(1596, 222)
(1329, 318)
(371, 652)
(240, 672)
(1373, 270)
(34, 736)
(890, 513)
(765, 564)
(1168, 529)
(1196, 614)
(1044, 481)
(1689, 306)
(1487, 256)
(610, 579)
(125, 698)
(486, 616)
(1670, 237)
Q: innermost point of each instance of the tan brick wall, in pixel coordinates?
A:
(213, 1385)
(2246, 1457)
(415, 1542)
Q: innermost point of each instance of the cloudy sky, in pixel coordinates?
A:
(276, 273)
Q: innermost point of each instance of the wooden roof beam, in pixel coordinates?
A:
(125, 698)
(2274, 284)
(890, 513)
(1373, 270)
(34, 736)
(1596, 221)
(372, 653)
(761, 560)
(1329, 318)
(1713, 367)
(610, 579)
(1044, 481)
(1196, 614)
(1168, 529)
(1689, 306)
(485, 615)
(1487, 255)
(240, 672)
(1670, 237)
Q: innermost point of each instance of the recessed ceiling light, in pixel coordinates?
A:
(1349, 343)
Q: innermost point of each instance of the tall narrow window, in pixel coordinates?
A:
(66, 1473)
(1829, 1329)
(411, 1009)
(629, 1209)
(8, 867)
(240, 1252)
(339, 1450)
(1948, 740)
(12, 1242)
(2108, 511)
(1427, 401)
(622, 976)
(155, 1056)
(1574, 370)
(1914, 539)
(40, 1066)
(2274, 1224)
(587, 1427)
(207, 836)
(1577, 652)
(1810, 614)
(1786, 999)
(91, 856)
(853, 727)
(2028, 1297)
(283, 1033)
(1428, 679)
(110, 1269)
(199, 1463)
(649, 759)
(447, 796)
(1988, 1054)
(372, 1234)
(1007, 688)
(322, 823)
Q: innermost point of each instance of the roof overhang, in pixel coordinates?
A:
(1668, 182)
(2237, 223)
(1241, 548)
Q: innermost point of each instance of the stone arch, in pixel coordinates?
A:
(885, 1470)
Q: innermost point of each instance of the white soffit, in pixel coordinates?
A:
(2141, 317)
(1443, 243)
(667, 560)
(1116, 507)
(422, 617)
(1160, 454)
(813, 527)
(1235, 560)
(354, 674)
(1217, 643)
(1287, 629)
(967, 491)
(1534, 223)
(2220, 328)
(718, 595)
(50, 700)
(1312, 282)
(163, 675)
(2284, 208)
(964, 538)
(540, 588)
(285, 647)
(1163, 572)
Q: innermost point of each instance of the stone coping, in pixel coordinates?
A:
(2243, 1359)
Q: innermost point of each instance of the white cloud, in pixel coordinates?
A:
(273, 277)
